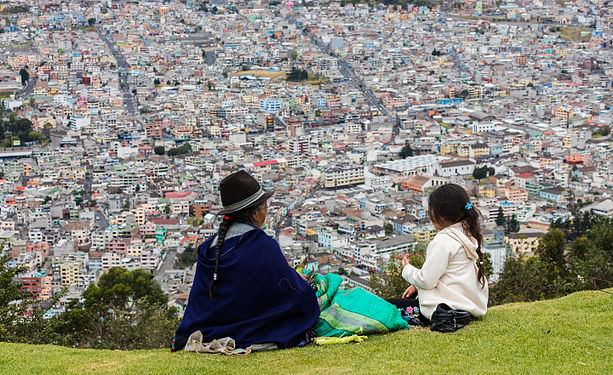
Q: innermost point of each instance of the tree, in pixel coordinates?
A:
(491, 171)
(11, 310)
(558, 268)
(500, 219)
(156, 81)
(32, 102)
(480, 173)
(25, 76)
(590, 257)
(91, 21)
(159, 150)
(604, 131)
(389, 229)
(406, 151)
(551, 248)
(185, 148)
(487, 264)
(294, 55)
(388, 283)
(512, 224)
(521, 280)
(126, 310)
(551, 253)
(187, 258)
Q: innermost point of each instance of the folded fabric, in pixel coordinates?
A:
(339, 340)
(225, 345)
(353, 311)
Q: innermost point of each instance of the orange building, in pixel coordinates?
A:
(577, 158)
(43, 247)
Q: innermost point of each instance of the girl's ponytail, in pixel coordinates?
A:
(472, 225)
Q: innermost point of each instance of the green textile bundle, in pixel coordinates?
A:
(353, 311)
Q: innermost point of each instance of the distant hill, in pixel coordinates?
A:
(569, 335)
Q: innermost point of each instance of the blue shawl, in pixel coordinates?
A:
(258, 298)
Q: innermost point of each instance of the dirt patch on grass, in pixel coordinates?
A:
(261, 74)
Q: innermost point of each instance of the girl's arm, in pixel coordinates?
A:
(437, 258)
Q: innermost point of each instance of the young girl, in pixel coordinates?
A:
(453, 272)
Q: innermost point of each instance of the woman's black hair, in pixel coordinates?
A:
(451, 203)
(245, 216)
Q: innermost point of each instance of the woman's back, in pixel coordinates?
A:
(258, 299)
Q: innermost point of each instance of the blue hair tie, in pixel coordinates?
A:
(468, 206)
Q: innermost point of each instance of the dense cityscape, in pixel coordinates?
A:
(120, 118)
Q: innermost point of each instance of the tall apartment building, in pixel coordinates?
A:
(69, 273)
(299, 146)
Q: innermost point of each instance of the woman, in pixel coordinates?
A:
(244, 288)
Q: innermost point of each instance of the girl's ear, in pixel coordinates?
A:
(432, 217)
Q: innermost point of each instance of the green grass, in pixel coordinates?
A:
(576, 33)
(570, 335)
(21, 45)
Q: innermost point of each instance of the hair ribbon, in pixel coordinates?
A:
(468, 206)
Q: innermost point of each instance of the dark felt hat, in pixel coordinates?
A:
(240, 191)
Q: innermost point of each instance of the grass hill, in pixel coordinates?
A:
(570, 335)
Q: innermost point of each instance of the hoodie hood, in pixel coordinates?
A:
(456, 231)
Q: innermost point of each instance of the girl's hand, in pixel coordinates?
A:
(409, 292)
(405, 261)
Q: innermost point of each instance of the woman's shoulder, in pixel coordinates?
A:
(258, 235)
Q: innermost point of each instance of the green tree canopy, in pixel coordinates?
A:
(25, 76)
(159, 150)
(512, 224)
(125, 290)
(406, 151)
(500, 219)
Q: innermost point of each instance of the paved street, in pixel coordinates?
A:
(123, 70)
(28, 90)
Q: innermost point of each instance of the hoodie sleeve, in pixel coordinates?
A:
(437, 258)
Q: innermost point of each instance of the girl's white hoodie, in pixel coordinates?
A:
(449, 274)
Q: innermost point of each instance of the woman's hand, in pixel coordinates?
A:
(405, 261)
(409, 292)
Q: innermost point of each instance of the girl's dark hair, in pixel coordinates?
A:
(451, 203)
(245, 216)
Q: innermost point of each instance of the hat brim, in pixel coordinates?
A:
(263, 198)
